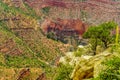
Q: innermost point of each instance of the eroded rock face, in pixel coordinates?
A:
(24, 73)
(64, 28)
(45, 3)
(66, 25)
(42, 77)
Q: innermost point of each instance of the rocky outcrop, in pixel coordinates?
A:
(65, 30)
(85, 69)
(24, 73)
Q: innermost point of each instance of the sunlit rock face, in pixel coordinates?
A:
(90, 67)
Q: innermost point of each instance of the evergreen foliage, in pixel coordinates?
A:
(100, 34)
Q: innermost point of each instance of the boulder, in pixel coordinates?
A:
(88, 68)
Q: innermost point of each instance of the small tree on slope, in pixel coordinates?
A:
(100, 34)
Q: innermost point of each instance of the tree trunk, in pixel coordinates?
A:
(105, 44)
(94, 46)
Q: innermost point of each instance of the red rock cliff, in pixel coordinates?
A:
(64, 25)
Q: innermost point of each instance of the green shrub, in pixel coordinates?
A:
(46, 10)
(63, 72)
(112, 70)
(79, 52)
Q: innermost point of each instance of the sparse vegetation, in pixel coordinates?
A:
(33, 48)
(23, 46)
